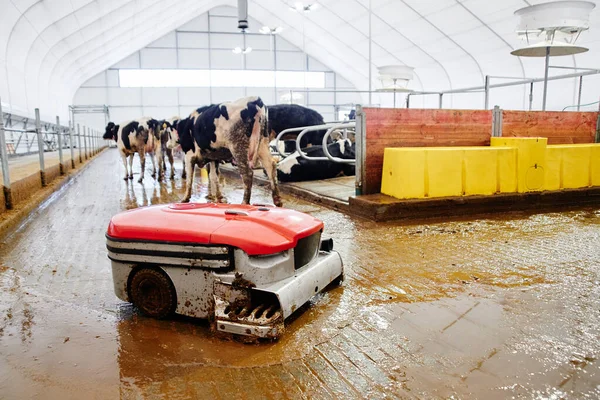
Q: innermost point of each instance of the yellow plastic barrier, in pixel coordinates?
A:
(421, 172)
(509, 165)
(531, 160)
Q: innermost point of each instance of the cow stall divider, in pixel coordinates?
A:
(344, 126)
(19, 145)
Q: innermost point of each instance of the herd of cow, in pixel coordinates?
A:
(237, 132)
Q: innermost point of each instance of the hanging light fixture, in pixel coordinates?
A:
(301, 7)
(551, 29)
(239, 50)
(265, 30)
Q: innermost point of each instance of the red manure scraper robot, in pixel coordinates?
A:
(246, 268)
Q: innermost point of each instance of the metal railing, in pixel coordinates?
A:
(41, 139)
(331, 127)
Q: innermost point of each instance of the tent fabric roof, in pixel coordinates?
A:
(48, 48)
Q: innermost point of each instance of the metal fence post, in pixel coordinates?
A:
(79, 143)
(40, 140)
(85, 141)
(361, 148)
(60, 146)
(497, 122)
(71, 144)
(5, 171)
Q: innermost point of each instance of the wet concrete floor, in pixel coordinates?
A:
(499, 307)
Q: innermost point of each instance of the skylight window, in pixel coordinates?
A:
(219, 78)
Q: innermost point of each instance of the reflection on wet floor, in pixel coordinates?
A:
(489, 308)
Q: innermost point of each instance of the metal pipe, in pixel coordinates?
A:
(299, 129)
(79, 143)
(546, 78)
(85, 143)
(573, 68)
(579, 95)
(530, 96)
(40, 140)
(71, 144)
(60, 150)
(408, 100)
(507, 84)
(487, 92)
(20, 130)
(5, 170)
(441, 100)
(370, 57)
(326, 150)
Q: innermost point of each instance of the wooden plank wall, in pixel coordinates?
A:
(558, 127)
(388, 127)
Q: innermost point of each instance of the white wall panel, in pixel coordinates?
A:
(133, 61)
(193, 58)
(124, 96)
(259, 42)
(193, 40)
(267, 95)
(125, 114)
(262, 60)
(159, 97)
(314, 65)
(159, 58)
(223, 24)
(197, 24)
(226, 41)
(98, 80)
(321, 98)
(290, 61)
(91, 96)
(112, 78)
(166, 41)
(225, 59)
(194, 97)
(220, 95)
(282, 44)
(160, 112)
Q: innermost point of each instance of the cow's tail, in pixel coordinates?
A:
(260, 125)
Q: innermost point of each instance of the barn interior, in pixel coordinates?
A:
(451, 149)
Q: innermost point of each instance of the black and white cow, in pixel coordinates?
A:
(161, 132)
(131, 137)
(286, 116)
(224, 131)
(294, 168)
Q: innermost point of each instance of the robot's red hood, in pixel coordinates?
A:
(257, 230)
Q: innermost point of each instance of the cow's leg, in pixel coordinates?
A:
(131, 165)
(189, 169)
(209, 196)
(124, 158)
(183, 171)
(170, 157)
(215, 187)
(245, 171)
(270, 166)
(153, 159)
(143, 166)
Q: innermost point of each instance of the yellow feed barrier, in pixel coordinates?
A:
(509, 165)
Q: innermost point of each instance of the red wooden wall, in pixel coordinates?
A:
(388, 127)
(558, 127)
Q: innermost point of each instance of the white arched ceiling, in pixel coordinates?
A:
(48, 48)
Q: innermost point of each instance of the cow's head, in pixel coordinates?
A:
(153, 126)
(173, 131)
(111, 131)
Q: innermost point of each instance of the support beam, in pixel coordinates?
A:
(5, 171)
